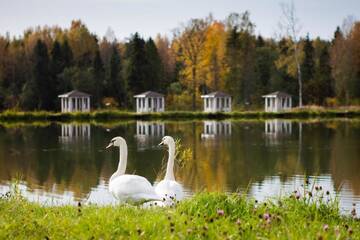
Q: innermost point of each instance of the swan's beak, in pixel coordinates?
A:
(162, 143)
(110, 145)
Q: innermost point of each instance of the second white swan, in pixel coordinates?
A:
(168, 187)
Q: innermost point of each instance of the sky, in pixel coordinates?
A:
(150, 17)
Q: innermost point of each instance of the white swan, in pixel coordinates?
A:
(126, 187)
(169, 188)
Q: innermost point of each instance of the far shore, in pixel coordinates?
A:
(304, 113)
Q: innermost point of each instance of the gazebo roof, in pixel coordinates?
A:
(216, 94)
(148, 94)
(276, 94)
(74, 93)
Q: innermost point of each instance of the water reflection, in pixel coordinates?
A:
(73, 132)
(275, 129)
(214, 129)
(148, 134)
(240, 158)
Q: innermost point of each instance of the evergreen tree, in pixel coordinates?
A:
(99, 74)
(56, 67)
(67, 54)
(308, 70)
(233, 76)
(264, 69)
(135, 72)
(115, 83)
(154, 69)
(325, 83)
(39, 89)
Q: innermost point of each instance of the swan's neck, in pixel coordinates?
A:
(122, 162)
(170, 164)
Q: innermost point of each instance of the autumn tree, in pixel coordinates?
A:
(344, 69)
(168, 61)
(190, 38)
(212, 71)
(83, 44)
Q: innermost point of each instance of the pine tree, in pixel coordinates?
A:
(325, 82)
(42, 77)
(232, 60)
(67, 54)
(37, 93)
(308, 70)
(154, 69)
(115, 83)
(99, 78)
(135, 72)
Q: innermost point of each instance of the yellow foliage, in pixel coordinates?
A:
(212, 66)
(287, 61)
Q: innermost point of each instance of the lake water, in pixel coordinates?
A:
(66, 163)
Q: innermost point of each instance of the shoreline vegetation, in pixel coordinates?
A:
(104, 115)
(299, 215)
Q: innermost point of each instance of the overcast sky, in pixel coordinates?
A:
(149, 17)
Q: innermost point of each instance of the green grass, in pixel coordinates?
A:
(104, 115)
(204, 216)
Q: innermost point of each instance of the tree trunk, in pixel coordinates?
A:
(299, 75)
(194, 88)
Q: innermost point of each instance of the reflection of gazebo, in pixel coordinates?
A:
(149, 133)
(216, 128)
(74, 132)
(277, 128)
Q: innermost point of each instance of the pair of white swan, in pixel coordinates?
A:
(137, 189)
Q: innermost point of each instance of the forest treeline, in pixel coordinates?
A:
(203, 55)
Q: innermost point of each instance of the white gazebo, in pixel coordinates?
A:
(277, 102)
(217, 102)
(149, 102)
(75, 101)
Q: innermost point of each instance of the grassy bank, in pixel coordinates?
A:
(174, 115)
(206, 215)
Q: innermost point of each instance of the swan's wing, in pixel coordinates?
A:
(170, 188)
(132, 188)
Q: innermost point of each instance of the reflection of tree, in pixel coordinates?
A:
(345, 155)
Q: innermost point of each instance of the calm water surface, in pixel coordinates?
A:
(66, 163)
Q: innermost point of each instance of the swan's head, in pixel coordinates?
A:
(167, 140)
(116, 142)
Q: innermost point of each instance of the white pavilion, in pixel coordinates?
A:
(277, 102)
(75, 101)
(217, 102)
(149, 102)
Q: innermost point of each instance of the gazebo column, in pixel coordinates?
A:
(70, 104)
(85, 108)
(266, 104)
